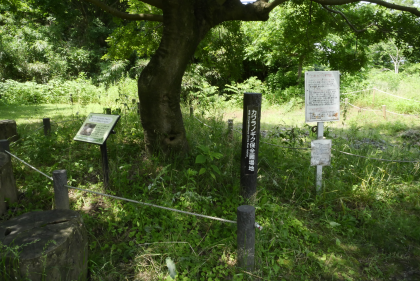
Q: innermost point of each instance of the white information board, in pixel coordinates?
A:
(321, 152)
(322, 96)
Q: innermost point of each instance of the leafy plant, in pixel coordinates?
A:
(206, 159)
(234, 92)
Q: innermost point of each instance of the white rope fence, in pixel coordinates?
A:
(130, 200)
(202, 122)
(376, 89)
(306, 148)
(402, 114)
(361, 108)
(377, 159)
(358, 91)
(29, 165)
(395, 95)
(152, 205)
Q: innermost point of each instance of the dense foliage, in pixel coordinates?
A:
(49, 40)
(64, 59)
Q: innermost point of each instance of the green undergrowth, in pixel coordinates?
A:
(79, 91)
(364, 225)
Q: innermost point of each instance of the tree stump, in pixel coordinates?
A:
(8, 130)
(7, 181)
(50, 245)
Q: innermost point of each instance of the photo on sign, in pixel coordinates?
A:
(96, 128)
(87, 129)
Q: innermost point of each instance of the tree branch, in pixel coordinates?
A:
(270, 6)
(122, 15)
(156, 3)
(346, 19)
(411, 10)
(257, 11)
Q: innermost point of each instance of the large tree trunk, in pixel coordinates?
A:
(159, 84)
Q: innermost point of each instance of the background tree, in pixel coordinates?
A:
(42, 40)
(185, 24)
(387, 54)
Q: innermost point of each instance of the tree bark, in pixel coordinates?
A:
(300, 66)
(159, 84)
(185, 23)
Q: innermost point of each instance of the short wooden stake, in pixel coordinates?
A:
(47, 126)
(346, 102)
(230, 128)
(384, 111)
(61, 193)
(246, 237)
(138, 108)
(71, 99)
(108, 110)
(191, 111)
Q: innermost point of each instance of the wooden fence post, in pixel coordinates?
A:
(47, 126)
(7, 181)
(61, 193)
(191, 111)
(230, 128)
(246, 237)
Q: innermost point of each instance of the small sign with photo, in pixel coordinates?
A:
(97, 128)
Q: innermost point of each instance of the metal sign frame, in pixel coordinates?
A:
(97, 128)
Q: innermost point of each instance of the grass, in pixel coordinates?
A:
(365, 224)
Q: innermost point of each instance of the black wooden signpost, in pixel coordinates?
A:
(250, 144)
(96, 130)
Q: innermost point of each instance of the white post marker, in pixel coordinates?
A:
(320, 155)
(322, 103)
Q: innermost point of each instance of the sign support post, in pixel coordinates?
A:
(96, 130)
(105, 166)
(318, 172)
(322, 103)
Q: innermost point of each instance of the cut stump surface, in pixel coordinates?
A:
(52, 245)
(8, 130)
